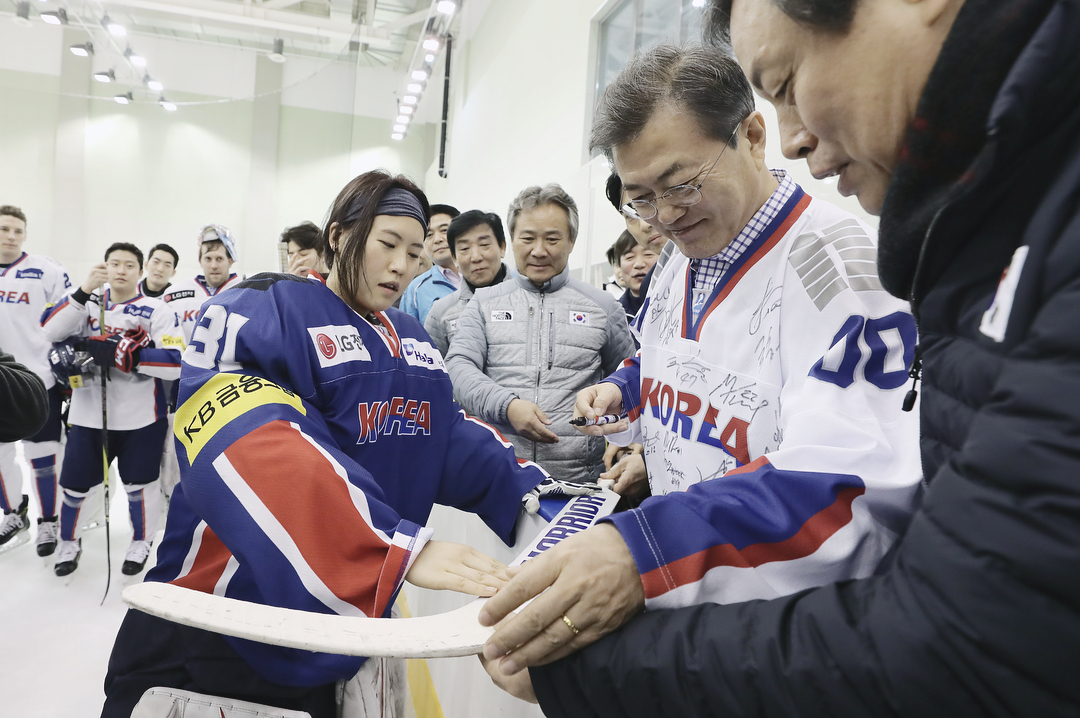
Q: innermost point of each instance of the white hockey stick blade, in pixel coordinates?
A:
(455, 633)
(450, 634)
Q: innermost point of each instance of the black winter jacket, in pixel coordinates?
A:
(979, 614)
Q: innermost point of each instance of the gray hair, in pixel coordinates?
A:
(536, 196)
(705, 81)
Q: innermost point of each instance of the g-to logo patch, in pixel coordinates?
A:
(32, 273)
(502, 315)
(338, 345)
(579, 317)
(452, 326)
(139, 311)
(422, 354)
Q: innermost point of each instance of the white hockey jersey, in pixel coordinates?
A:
(773, 423)
(135, 399)
(27, 286)
(186, 298)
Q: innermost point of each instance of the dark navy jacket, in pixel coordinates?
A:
(979, 613)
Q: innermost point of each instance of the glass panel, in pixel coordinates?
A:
(690, 30)
(616, 44)
(658, 21)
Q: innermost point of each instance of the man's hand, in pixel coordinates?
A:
(591, 581)
(518, 685)
(597, 400)
(530, 421)
(630, 476)
(457, 567)
(303, 262)
(99, 274)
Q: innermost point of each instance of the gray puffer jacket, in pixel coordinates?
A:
(540, 344)
(442, 320)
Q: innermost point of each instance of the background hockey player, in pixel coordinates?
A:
(769, 385)
(302, 249)
(217, 253)
(316, 431)
(139, 346)
(28, 284)
(160, 269)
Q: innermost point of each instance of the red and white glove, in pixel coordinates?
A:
(127, 350)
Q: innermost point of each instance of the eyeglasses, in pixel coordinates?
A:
(683, 195)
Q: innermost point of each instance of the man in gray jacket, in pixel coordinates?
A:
(524, 348)
(478, 245)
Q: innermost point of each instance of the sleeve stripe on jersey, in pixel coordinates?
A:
(809, 538)
(205, 562)
(269, 472)
(51, 312)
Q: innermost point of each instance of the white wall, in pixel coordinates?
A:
(89, 172)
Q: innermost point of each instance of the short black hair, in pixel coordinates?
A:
(164, 248)
(613, 190)
(125, 247)
(470, 220)
(306, 235)
(622, 245)
(444, 209)
(835, 15)
(12, 211)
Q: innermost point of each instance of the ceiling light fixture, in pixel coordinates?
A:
(410, 99)
(278, 55)
(55, 17)
(166, 105)
(124, 99)
(419, 75)
(429, 58)
(85, 49)
(22, 14)
(135, 58)
(414, 88)
(115, 29)
(402, 119)
(406, 110)
(446, 7)
(397, 136)
(105, 76)
(432, 44)
(153, 84)
(400, 128)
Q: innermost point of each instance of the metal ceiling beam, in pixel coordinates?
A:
(278, 4)
(265, 19)
(405, 21)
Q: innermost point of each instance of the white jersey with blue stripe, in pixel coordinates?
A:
(772, 423)
(27, 286)
(137, 398)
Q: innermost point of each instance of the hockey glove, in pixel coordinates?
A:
(553, 488)
(127, 350)
(102, 348)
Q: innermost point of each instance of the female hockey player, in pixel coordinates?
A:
(315, 431)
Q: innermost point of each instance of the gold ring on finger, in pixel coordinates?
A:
(570, 624)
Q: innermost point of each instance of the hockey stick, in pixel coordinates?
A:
(453, 633)
(105, 451)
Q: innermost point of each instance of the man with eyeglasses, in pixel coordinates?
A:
(767, 393)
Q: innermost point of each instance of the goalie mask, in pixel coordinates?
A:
(70, 367)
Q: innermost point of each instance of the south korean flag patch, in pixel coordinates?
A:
(579, 317)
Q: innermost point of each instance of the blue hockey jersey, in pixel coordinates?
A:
(312, 446)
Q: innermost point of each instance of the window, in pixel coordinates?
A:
(634, 25)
